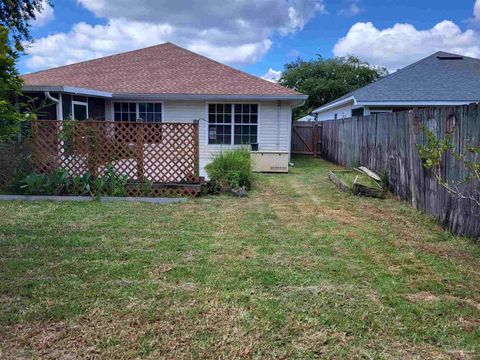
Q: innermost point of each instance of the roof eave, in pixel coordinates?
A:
(417, 103)
(162, 96)
(67, 89)
(335, 104)
(208, 97)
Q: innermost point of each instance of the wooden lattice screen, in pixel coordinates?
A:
(160, 152)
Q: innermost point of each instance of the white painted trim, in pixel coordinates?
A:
(416, 103)
(60, 105)
(335, 104)
(75, 102)
(152, 97)
(137, 115)
(357, 104)
(67, 89)
(207, 97)
(232, 142)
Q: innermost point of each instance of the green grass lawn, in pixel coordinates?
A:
(296, 270)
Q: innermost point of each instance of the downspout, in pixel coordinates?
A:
(58, 104)
(279, 107)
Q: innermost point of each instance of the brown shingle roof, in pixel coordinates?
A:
(160, 69)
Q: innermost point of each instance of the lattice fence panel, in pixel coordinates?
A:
(159, 152)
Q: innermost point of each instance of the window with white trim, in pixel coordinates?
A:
(232, 124)
(130, 111)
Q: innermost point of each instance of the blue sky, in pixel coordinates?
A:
(383, 32)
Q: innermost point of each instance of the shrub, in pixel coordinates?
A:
(231, 169)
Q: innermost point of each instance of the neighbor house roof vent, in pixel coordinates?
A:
(449, 57)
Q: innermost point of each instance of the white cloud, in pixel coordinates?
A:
(43, 17)
(402, 44)
(272, 75)
(236, 33)
(476, 10)
(351, 9)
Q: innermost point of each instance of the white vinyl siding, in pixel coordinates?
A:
(340, 112)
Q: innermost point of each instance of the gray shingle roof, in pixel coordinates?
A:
(430, 79)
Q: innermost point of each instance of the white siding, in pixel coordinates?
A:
(273, 129)
(342, 112)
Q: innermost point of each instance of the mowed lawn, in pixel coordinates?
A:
(296, 270)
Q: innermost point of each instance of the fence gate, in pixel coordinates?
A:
(307, 138)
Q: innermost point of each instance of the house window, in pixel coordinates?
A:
(220, 124)
(246, 120)
(130, 111)
(150, 112)
(79, 110)
(125, 111)
(232, 124)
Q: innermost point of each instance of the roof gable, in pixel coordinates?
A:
(160, 69)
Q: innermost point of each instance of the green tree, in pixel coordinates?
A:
(15, 19)
(325, 80)
(10, 88)
(16, 16)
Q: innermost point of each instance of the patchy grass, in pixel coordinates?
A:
(296, 270)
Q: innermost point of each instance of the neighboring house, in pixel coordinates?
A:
(441, 79)
(307, 118)
(166, 83)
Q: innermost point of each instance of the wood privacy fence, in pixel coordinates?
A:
(306, 138)
(159, 152)
(387, 142)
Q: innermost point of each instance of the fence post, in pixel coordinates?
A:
(196, 134)
(140, 150)
(411, 133)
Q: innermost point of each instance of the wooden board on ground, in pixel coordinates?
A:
(357, 183)
(370, 173)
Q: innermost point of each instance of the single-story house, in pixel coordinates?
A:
(166, 83)
(441, 79)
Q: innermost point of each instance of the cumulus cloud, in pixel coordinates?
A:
(236, 33)
(476, 10)
(402, 44)
(43, 17)
(352, 8)
(272, 75)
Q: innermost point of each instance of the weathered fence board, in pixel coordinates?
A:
(387, 143)
(306, 138)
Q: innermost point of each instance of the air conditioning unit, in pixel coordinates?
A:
(270, 161)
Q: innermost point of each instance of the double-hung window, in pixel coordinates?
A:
(130, 111)
(232, 124)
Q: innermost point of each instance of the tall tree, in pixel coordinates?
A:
(16, 16)
(10, 87)
(325, 80)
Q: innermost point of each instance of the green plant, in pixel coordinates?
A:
(36, 184)
(231, 169)
(59, 182)
(117, 184)
(384, 178)
(433, 155)
(146, 187)
(81, 184)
